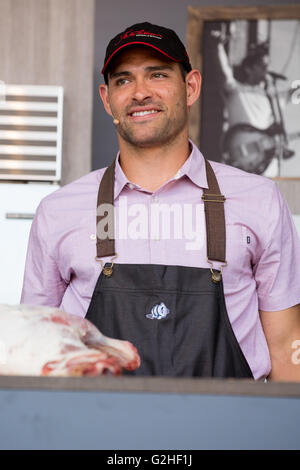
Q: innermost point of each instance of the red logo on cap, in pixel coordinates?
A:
(141, 32)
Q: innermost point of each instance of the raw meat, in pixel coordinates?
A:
(47, 341)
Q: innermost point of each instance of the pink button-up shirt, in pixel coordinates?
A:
(168, 227)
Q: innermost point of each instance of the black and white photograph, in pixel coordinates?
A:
(250, 111)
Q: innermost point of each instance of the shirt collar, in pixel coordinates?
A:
(120, 178)
(193, 168)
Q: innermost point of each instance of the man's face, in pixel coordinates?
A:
(148, 95)
(259, 69)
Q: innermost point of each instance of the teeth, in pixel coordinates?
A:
(143, 113)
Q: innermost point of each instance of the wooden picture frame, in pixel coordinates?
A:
(197, 16)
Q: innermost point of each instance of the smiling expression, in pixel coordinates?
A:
(147, 94)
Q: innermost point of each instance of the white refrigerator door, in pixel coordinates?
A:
(18, 203)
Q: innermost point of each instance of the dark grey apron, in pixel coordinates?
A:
(174, 315)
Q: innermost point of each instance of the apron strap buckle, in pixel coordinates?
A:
(107, 270)
(216, 275)
(211, 197)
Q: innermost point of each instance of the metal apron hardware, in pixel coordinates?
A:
(175, 315)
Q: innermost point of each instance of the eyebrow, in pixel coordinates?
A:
(152, 68)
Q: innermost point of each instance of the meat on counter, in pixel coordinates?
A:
(46, 341)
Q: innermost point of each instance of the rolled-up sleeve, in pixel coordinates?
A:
(277, 271)
(42, 284)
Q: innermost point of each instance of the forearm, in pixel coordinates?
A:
(282, 331)
(221, 60)
(286, 363)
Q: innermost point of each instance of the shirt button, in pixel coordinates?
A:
(178, 174)
(131, 186)
(155, 199)
(93, 236)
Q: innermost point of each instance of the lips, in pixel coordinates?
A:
(143, 112)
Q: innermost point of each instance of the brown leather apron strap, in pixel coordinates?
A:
(215, 217)
(106, 246)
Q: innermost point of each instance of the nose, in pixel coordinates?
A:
(142, 90)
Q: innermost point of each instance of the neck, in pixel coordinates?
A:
(151, 167)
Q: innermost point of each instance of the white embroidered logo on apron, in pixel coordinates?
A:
(159, 311)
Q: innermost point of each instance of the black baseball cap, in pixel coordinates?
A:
(162, 39)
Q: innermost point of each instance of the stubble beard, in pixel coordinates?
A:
(154, 136)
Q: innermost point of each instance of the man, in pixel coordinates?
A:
(250, 99)
(244, 86)
(162, 287)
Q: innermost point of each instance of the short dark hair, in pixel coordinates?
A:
(254, 56)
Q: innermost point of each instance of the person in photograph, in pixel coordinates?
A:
(255, 136)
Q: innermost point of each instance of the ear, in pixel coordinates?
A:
(193, 82)
(103, 92)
